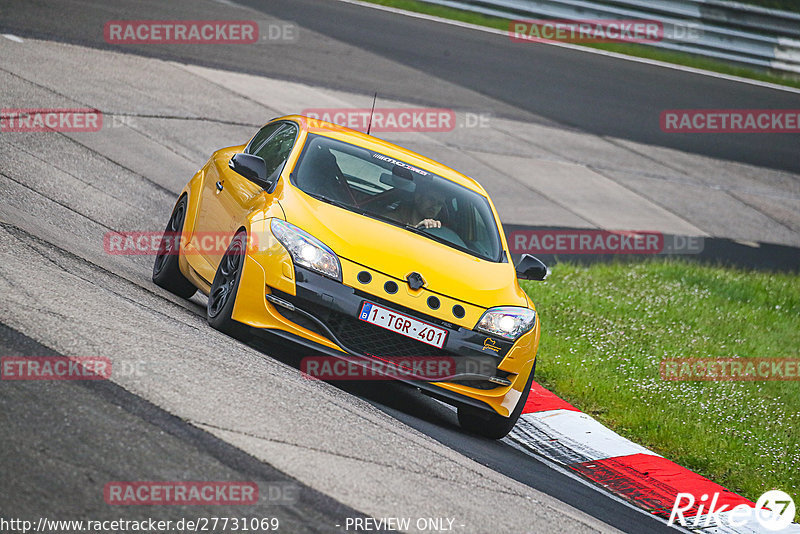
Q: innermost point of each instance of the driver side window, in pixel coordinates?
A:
(261, 137)
(275, 151)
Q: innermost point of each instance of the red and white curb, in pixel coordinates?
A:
(552, 428)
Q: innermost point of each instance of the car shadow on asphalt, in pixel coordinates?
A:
(400, 400)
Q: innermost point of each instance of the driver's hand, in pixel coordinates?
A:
(429, 223)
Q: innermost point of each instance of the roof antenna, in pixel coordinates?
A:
(369, 126)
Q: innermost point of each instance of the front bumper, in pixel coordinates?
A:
(322, 314)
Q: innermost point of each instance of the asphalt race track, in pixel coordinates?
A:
(192, 404)
(579, 90)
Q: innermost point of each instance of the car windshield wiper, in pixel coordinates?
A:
(438, 239)
(337, 203)
(442, 240)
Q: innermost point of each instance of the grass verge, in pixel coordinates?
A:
(631, 49)
(606, 328)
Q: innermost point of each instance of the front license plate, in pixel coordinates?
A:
(403, 324)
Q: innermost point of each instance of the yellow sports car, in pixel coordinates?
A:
(362, 250)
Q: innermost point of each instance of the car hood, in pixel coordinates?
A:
(397, 252)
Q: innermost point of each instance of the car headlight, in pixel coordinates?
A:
(508, 322)
(306, 250)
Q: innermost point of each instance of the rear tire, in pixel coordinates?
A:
(222, 296)
(166, 272)
(493, 425)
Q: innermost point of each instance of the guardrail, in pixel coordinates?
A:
(729, 31)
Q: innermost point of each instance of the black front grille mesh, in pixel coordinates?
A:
(373, 340)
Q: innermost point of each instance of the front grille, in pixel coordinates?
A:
(372, 340)
(376, 341)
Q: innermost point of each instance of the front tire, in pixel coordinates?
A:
(222, 296)
(493, 425)
(166, 272)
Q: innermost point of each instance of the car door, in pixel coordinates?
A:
(228, 197)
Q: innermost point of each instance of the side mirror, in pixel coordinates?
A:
(531, 268)
(251, 167)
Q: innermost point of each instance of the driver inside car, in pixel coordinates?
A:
(424, 210)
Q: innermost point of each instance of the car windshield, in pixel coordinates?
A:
(393, 191)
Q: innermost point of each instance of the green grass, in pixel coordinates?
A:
(606, 327)
(631, 49)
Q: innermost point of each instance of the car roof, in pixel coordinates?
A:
(386, 148)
